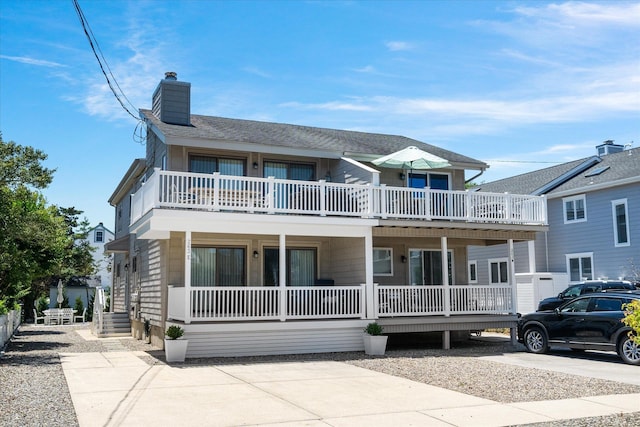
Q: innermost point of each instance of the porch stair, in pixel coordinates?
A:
(115, 325)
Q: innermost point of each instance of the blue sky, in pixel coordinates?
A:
(516, 84)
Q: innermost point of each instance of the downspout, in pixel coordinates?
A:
(474, 177)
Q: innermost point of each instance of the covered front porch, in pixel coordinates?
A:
(259, 303)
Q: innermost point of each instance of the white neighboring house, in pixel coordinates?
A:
(98, 236)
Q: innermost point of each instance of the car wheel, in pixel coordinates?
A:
(535, 340)
(629, 351)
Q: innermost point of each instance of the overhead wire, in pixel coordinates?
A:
(139, 131)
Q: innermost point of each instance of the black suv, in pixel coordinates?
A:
(589, 322)
(583, 288)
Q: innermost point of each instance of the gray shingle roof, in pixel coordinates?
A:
(300, 137)
(615, 167)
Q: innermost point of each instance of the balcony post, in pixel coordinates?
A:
(383, 201)
(271, 191)
(282, 277)
(371, 311)
(323, 197)
(445, 276)
(216, 191)
(187, 277)
(512, 277)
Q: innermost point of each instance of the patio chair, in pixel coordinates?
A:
(36, 317)
(80, 316)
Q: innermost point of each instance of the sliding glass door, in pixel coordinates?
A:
(426, 267)
(301, 267)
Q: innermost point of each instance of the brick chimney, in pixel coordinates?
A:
(171, 101)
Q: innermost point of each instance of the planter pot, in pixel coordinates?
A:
(175, 350)
(375, 345)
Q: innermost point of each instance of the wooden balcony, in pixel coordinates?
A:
(215, 192)
(258, 303)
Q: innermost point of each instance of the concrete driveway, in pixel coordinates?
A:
(593, 364)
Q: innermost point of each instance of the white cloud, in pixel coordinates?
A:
(574, 14)
(398, 46)
(32, 61)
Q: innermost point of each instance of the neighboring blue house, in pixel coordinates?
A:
(594, 227)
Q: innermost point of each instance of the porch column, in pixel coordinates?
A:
(445, 276)
(187, 277)
(282, 276)
(368, 272)
(512, 277)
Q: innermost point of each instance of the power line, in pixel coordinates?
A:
(111, 80)
(520, 161)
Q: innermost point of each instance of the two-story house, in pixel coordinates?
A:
(593, 232)
(270, 238)
(98, 237)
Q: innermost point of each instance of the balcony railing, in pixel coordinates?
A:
(392, 301)
(244, 303)
(234, 303)
(215, 192)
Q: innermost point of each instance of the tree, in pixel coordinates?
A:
(20, 166)
(38, 243)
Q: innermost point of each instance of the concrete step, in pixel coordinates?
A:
(115, 325)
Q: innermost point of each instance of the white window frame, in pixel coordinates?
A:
(473, 263)
(616, 238)
(580, 255)
(390, 257)
(573, 199)
(498, 261)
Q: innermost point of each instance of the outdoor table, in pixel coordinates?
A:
(59, 315)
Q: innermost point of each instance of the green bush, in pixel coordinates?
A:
(632, 319)
(174, 332)
(3, 307)
(79, 305)
(42, 304)
(373, 329)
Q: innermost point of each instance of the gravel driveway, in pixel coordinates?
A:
(35, 393)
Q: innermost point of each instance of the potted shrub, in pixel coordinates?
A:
(375, 343)
(175, 347)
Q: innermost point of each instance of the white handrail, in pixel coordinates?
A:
(217, 192)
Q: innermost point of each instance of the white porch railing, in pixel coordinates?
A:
(237, 303)
(233, 303)
(430, 300)
(217, 192)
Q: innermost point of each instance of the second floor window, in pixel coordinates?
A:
(575, 209)
(436, 181)
(206, 164)
(99, 236)
(620, 222)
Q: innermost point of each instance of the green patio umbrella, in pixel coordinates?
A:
(411, 158)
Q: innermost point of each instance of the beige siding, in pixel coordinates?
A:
(149, 280)
(347, 261)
